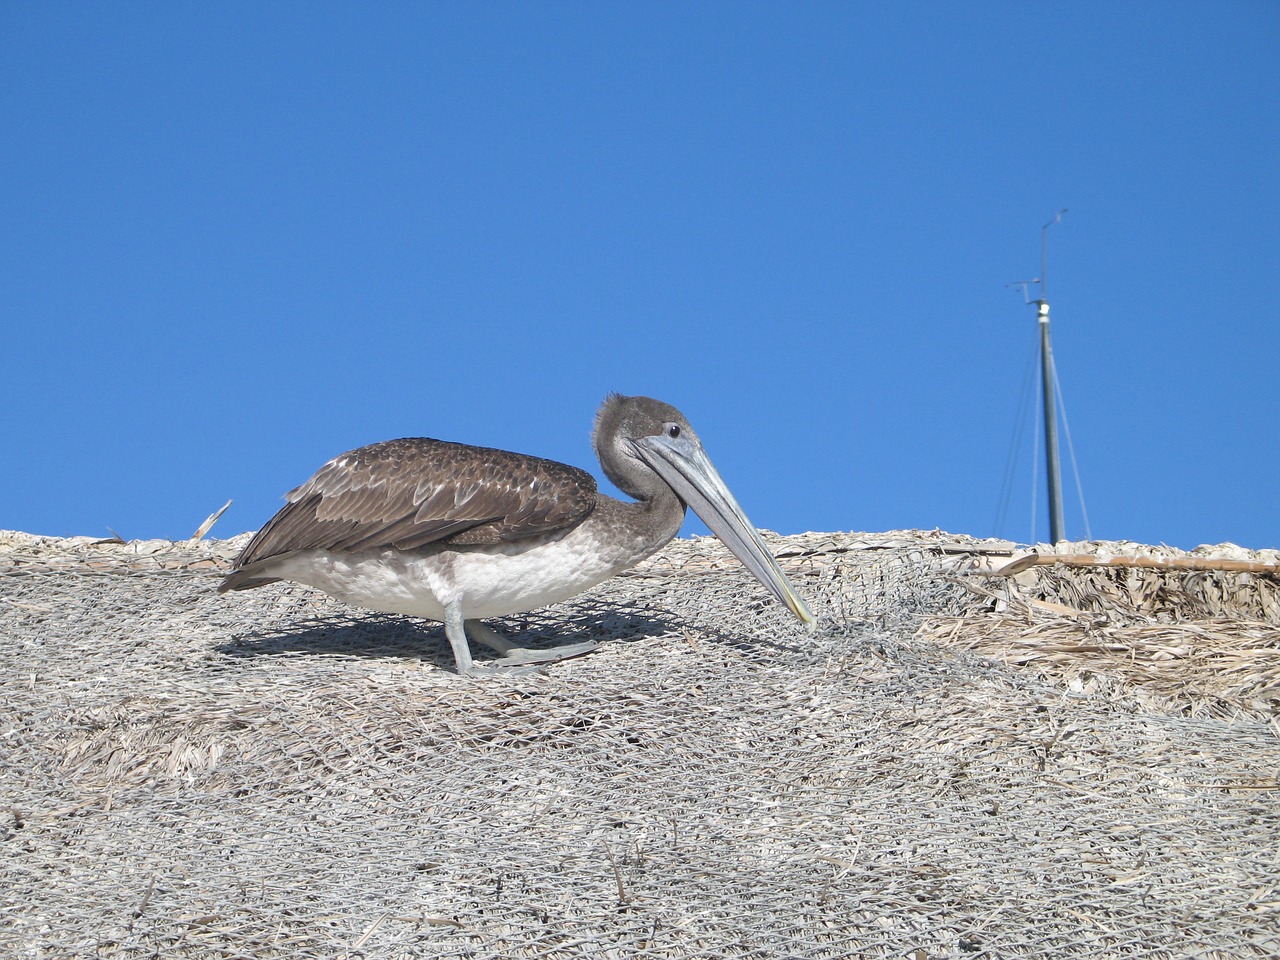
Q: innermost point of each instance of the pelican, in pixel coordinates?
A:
(456, 533)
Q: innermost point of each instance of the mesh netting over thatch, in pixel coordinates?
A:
(272, 774)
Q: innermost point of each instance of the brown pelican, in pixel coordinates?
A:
(455, 533)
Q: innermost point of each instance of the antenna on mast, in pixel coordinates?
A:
(1048, 377)
(1044, 253)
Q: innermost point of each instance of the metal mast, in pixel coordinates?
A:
(1053, 470)
(1048, 378)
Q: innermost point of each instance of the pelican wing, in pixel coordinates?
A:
(413, 492)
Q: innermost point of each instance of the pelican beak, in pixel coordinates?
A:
(683, 464)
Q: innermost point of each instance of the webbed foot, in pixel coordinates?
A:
(512, 654)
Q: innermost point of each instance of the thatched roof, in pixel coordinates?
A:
(1060, 761)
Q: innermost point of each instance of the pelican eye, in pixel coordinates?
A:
(673, 430)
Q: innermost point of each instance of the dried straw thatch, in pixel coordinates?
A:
(272, 774)
(1190, 631)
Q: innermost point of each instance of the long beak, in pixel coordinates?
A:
(683, 464)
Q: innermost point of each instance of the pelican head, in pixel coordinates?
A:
(648, 449)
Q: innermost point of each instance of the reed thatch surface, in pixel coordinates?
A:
(1201, 641)
(272, 774)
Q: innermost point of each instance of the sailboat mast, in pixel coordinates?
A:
(1053, 471)
(1052, 468)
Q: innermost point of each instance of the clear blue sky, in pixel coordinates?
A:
(237, 239)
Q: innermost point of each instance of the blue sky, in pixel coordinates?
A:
(237, 239)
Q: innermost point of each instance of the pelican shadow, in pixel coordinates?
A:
(377, 635)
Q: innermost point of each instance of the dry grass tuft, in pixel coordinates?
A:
(1213, 668)
(1182, 631)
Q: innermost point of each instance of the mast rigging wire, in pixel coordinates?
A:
(1015, 442)
(1071, 449)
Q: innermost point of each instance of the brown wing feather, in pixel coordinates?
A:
(413, 492)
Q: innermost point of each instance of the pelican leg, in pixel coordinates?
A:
(513, 654)
(457, 634)
(514, 660)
